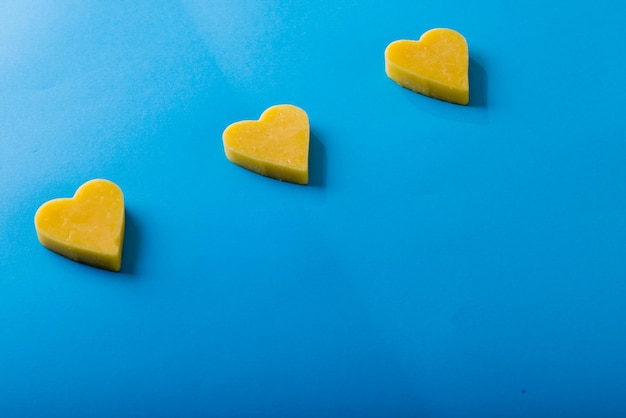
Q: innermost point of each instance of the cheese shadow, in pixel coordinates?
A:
(317, 161)
(132, 243)
(478, 84)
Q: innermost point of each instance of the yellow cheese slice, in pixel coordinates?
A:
(87, 228)
(436, 65)
(276, 145)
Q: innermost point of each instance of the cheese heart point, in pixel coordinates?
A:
(276, 145)
(87, 228)
(435, 66)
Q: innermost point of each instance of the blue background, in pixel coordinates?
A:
(444, 261)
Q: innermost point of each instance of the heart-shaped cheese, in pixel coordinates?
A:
(276, 145)
(436, 65)
(88, 228)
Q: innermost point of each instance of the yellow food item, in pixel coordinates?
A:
(87, 228)
(276, 145)
(435, 66)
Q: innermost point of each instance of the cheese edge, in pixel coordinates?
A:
(268, 169)
(111, 261)
(282, 172)
(425, 85)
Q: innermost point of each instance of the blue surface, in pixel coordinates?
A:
(445, 261)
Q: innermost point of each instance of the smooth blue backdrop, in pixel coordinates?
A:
(445, 261)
